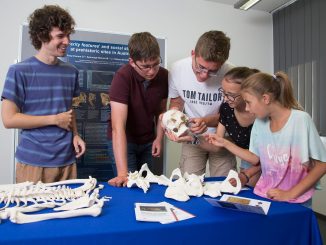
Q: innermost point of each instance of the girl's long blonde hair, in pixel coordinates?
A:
(278, 86)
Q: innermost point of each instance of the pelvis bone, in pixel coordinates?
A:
(177, 188)
(181, 187)
(144, 177)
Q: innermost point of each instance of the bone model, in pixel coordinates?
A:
(65, 201)
(176, 122)
(180, 187)
(194, 185)
(136, 178)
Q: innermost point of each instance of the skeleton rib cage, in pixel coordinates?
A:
(26, 197)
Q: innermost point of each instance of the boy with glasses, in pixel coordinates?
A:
(194, 84)
(138, 95)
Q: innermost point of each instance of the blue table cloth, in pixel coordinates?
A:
(284, 224)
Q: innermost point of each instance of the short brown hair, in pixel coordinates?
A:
(239, 74)
(143, 46)
(42, 20)
(213, 46)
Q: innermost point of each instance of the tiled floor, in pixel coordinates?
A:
(322, 226)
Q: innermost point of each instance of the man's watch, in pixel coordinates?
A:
(195, 140)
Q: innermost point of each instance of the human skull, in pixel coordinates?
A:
(176, 122)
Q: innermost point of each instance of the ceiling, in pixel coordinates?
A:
(263, 5)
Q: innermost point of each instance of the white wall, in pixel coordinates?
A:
(180, 21)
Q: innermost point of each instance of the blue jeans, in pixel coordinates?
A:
(137, 155)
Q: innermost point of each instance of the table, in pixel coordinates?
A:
(284, 224)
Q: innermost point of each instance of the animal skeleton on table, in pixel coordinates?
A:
(66, 201)
(181, 187)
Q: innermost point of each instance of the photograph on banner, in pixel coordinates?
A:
(97, 63)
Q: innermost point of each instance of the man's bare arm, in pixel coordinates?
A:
(13, 118)
(119, 113)
(176, 103)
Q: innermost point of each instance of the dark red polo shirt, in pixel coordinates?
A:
(143, 104)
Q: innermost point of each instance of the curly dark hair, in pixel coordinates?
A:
(42, 20)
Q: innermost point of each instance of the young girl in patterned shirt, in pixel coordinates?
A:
(284, 140)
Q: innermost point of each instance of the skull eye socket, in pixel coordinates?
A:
(175, 130)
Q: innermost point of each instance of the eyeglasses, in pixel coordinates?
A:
(230, 97)
(201, 69)
(147, 68)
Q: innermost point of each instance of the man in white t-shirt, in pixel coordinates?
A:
(194, 84)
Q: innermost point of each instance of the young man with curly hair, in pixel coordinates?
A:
(37, 98)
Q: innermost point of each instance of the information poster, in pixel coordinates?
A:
(97, 56)
(97, 63)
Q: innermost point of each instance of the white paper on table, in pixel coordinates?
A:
(179, 213)
(162, 212)
(154, 212)
(241, 204)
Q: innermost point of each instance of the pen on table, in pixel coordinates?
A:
(174, 215)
